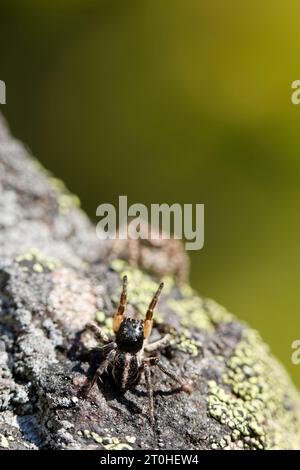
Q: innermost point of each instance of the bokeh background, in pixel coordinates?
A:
(175, 101)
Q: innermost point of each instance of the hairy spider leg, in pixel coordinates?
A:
(159, 344)
(185, 386)
(121, 308)
(149, 386)
(148, 323)
(99, 334)
(111, 351)
(146, 367)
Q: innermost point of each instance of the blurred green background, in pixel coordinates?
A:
(175, 101)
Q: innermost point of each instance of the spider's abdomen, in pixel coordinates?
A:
(125, 370)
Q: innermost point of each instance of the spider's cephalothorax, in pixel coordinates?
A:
(125, 355)
(130, 336)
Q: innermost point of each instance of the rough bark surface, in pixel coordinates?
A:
(54, 278)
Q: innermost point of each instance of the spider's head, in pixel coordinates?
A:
(130, 335)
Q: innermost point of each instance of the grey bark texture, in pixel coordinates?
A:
(54, 278)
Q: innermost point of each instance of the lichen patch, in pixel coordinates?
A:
(252, 401)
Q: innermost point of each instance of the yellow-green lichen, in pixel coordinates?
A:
(186, 290)
(184, 342)
(130, 439)
(37, 261)
(108, 441)
(256, 400)
(38, 268)
(105, 322)
(65, 199)
(56, 183)
(199, 313)
(97, 438)
(216, 312)
(191, 313)
(100, 316)
(118, 446)
(66, 202)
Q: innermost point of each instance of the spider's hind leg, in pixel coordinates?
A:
(96, 370)
(149, 386)
(184, 385)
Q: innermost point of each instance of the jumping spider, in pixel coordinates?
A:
(124, 355)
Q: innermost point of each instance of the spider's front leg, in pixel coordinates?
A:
(159, 344)
(99, 334)
(148, 323)
(96, 371)
(119, 315)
